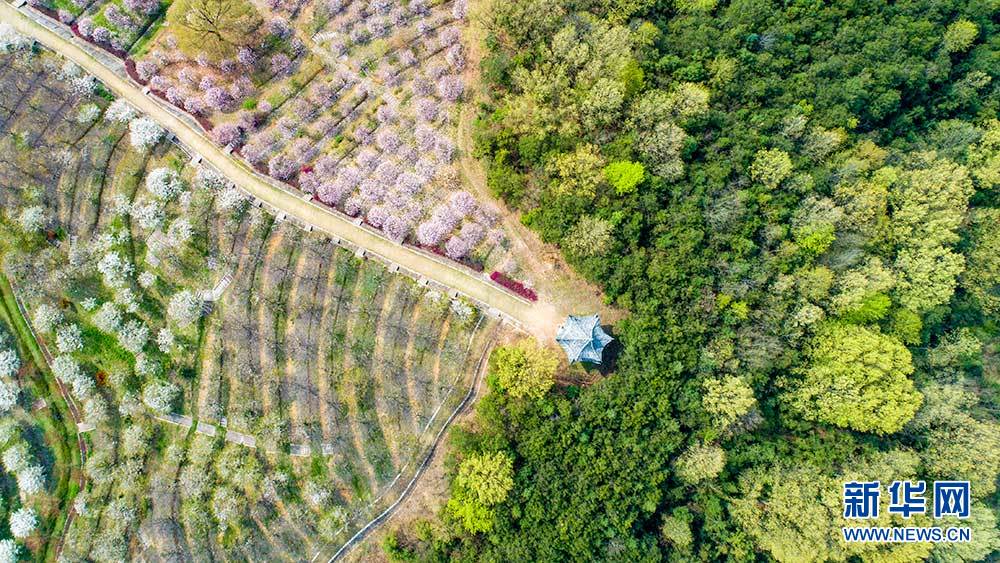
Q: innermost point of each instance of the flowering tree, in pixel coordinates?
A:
(114, 269)
(144, 133)
(160, 395)
(387, 140)
(133, 336)
(149, 214)
(108, 318)
(10, 552)
(425, 136)
(246, 57)
(145, 69)
(281, 65)
(165, 340)
(462, 204)
(450, 87)
(31, 480)
(441, 223)
(195, 105)
(119, 111)
(17, 457)
(218, 98)
(426, 109)
(11, 40)
(69, 339)
(47, 317)
(32, 219)
(175, 96)
(23, 522)
(10, 363)
(8, 395)
(146, 366)
(457, 247)
(444, 148)
(184, 308)
(280, 167)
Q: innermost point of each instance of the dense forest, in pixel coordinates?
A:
(802, 200)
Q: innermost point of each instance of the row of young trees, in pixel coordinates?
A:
(801, 202)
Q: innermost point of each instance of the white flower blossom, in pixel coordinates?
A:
(119, 111)
(144, 132)
(32, 219)
(23, 522)
(69, 339)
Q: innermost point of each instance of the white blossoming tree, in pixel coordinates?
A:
(184, 308)
(11, 40)
(47, 317)
(164, 183)
(69, 339)
(108, 318)
(17, 458)
(23, 522)
(32, 219)
(10, 363)
(144, 132)
(160, 395)
(165, 340)
(133, 336)
(147, 279)
(10, 552)
(146, 366)
(31, 480)
(8, 395)
(119, 111)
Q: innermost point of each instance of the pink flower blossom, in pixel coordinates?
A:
(396, 228)
(246, 57)
(450, 88)
(462, 204)
(367, 159)
(281, 64)
(228, 134)
(175, 96)
(387, 140)
(194, 105)
(457, 248)
(427, 109)
(280, 167)
(353, 206)
(377, 215)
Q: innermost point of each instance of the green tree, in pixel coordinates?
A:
(591, 236)
(985, 538)
(968, 451)
(927, 276)
(214, 27)
(856, 378)
(727, 399)
(770, 167)
(982, 276)
(578, 173)
(676, 529)
(483, 481)
(959, 36)
(624, 176)
(794, 510)
(524, 369)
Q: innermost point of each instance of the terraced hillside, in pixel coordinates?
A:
(162, 293)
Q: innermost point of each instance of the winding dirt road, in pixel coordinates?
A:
(532, 316)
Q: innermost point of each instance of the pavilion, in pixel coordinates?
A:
(583, 339)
